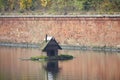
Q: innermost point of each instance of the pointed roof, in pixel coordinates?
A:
(45, 44)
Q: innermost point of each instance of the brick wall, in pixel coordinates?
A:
(90, 31)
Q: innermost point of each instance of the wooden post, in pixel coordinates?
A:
(46, 38)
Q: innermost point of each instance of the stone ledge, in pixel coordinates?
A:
(60, 16)
(65, 47)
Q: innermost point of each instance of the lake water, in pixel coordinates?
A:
(87, 65)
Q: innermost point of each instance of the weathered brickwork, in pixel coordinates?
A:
(90, 31)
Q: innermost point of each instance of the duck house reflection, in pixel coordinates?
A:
(52, 69)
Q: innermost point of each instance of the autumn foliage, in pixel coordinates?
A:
(65, 6)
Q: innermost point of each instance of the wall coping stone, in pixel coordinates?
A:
(59, 16)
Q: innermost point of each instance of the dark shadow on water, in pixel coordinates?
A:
(52, 70)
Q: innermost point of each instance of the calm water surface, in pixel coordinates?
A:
(86, 65)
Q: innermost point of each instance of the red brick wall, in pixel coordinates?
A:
(90, 31)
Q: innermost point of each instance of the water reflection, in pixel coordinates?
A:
(86, 65)
(52, 69)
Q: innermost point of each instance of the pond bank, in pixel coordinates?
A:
(65, 47)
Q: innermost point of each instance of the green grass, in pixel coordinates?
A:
(65, 57)
(59, 57)
(38, 58)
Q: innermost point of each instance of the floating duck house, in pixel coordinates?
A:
(50, 46)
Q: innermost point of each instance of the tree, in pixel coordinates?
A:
(4, 5)
(30, 4)
(44, 3)
(22, 4)
(26, 4)
(110, 6)
(61, 6)
(1, 5)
